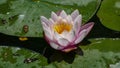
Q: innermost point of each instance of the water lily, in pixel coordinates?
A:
(63, 32)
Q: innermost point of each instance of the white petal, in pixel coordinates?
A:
(78, 19)
(54, 45)
(63, 42)
(48, 34)
(63, 14)
(44, 26)
(69, 19)
(81, 36)
(44, 20)
(56, 36)
(77, 23)
(68, 35)
(74, 14)
(54, 16)
(51, 22)
(47, 30)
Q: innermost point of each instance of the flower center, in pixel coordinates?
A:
(61, 26)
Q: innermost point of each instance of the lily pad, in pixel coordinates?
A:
(20, 13)
(13, 57)
(104, 44)
(109, 14)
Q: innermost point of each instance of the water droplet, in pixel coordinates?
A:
(8, 13)
(21, 16)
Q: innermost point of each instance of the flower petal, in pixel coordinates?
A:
(68, 35)
(78, 19)
(51, 22)
(63, 14)
(44, 20)
(69, 49)
(56, 36)
(48, 34)
(74, 14)
(54, 16)
(44, 25)
(81, 36)
(69, 19)
(87, 26)
(63, 42)
(54, 45)
(77, 23)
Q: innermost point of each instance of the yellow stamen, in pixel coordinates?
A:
(61, 26)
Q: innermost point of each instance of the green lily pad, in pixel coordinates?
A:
(12, 57)
(22, 17)
(104, 44)
(2, 1)
(109, 14)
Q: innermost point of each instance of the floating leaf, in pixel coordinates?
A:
(27, 12)
(109, 14)
(11, 57)
(105, 45)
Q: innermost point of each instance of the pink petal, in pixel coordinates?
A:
(68, 49)
(81, 36)
(47, 28)
(51, 22)
(63, 14)
(69, 19)
(54, 16)
(77, 23)
(87, 26)
(44, 20)
(44, 26)
(48, 34)
(85, 29)
(74, 14)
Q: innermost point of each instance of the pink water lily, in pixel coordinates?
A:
(63, 32)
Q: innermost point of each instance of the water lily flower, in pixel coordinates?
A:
(63, 32)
